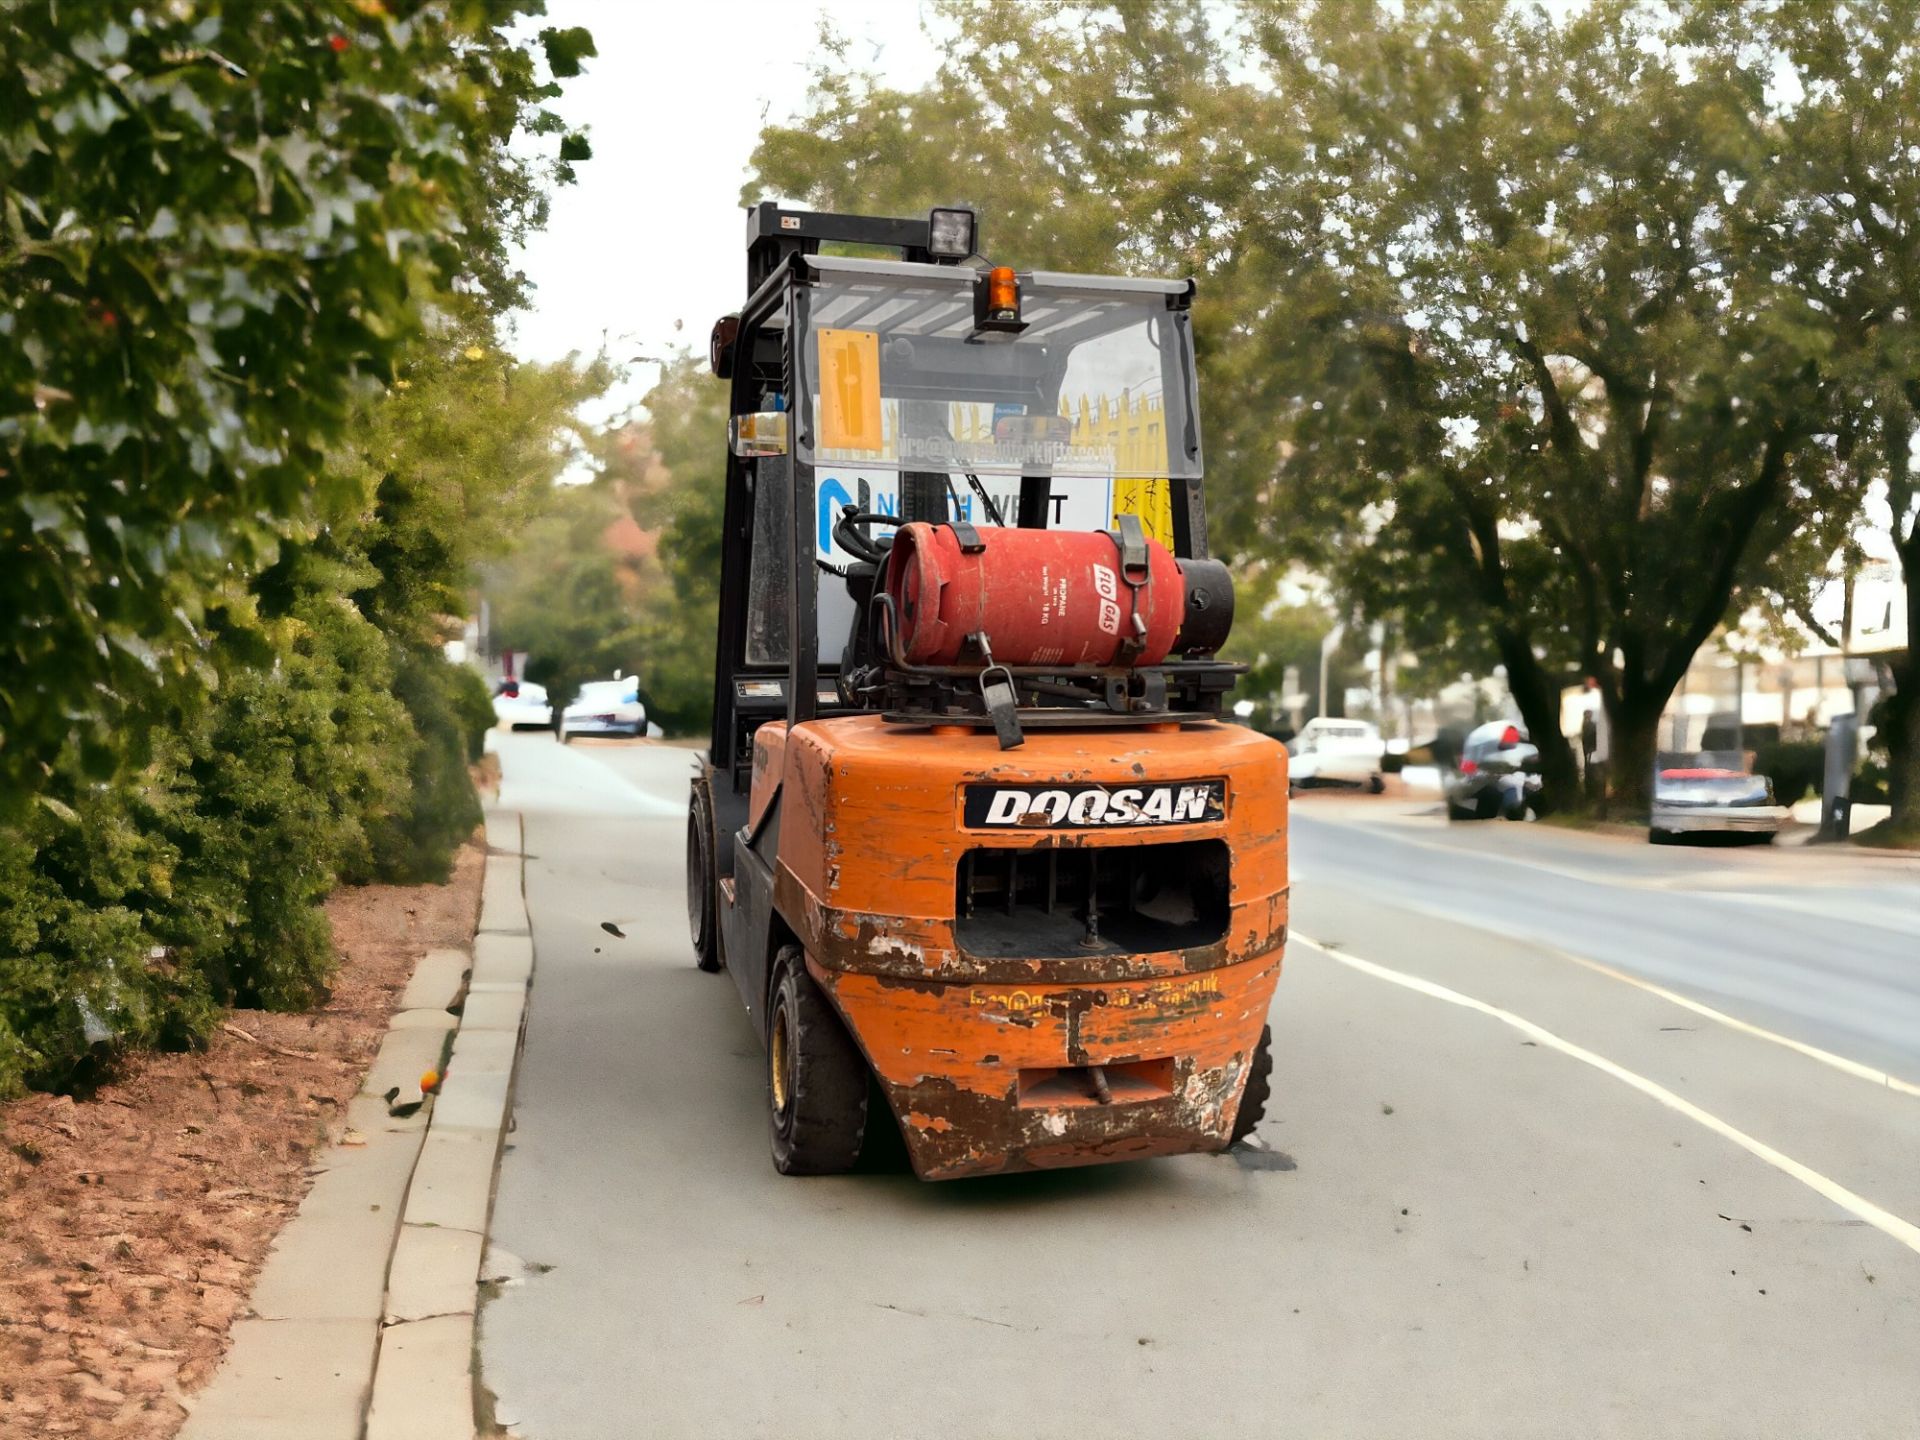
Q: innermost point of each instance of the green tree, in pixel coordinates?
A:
(216, 228)
(446, 467)
(1272, 638)
(254, 435)
(1056, 120)
(567, 599)
(688, 418)
(1492, 328)
(449, 464)
(1535, 351)
(1851, 150)
(580, 610)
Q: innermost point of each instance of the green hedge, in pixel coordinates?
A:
(473, 709)
(417, 845)
(132, 913)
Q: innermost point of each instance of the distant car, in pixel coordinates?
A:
(1338, 752)
(1498, 774)
(522, 705)
(605, 707)
(1711, 792)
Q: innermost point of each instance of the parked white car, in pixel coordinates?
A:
(1338, 752)
(605, 707)
(522, 705)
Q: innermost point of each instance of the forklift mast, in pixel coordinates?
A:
(775, 236)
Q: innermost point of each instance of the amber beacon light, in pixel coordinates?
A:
(996, 303)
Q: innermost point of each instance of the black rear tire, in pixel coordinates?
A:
(1253, 1100)
(817, 1080)
(703, 899)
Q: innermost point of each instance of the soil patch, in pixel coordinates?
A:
(132, 1224)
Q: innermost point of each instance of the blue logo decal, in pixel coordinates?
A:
(832, 495)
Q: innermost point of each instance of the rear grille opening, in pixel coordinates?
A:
(1054, 1087)
(1055, 903)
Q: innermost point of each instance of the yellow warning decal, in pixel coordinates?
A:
(850, 390)
(1152, 501)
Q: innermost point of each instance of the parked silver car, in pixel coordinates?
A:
(1711, 792)
(1498, 774)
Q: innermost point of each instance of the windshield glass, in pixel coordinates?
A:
(1096, 387)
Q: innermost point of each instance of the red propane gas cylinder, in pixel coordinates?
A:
(1042, 597)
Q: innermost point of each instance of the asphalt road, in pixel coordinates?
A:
(1500, 1191)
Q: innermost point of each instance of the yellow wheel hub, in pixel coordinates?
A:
(780, 1059)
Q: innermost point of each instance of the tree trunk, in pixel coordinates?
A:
(1633, 739)
(1633, 743)
(1534, 691)
(1902, 710)
(1903, 748)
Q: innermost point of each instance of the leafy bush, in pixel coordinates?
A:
(74, 953)
(132, 912)
(1796, 767)
(473, 707)
(296, 766)
(256, 432)
(419, 845)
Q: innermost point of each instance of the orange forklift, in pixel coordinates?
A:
(971, 837)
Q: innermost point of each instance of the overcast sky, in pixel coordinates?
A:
(652, 234)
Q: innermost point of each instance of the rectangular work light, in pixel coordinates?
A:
(950, 234)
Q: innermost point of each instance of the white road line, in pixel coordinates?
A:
(1858, 1206)
(1521, 935)
(1685, 881)
(1457, 852)
(1812, 1052)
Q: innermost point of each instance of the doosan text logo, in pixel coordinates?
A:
(1090, 806)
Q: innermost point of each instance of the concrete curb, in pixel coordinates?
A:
(361, 1324)
(423, 1379)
